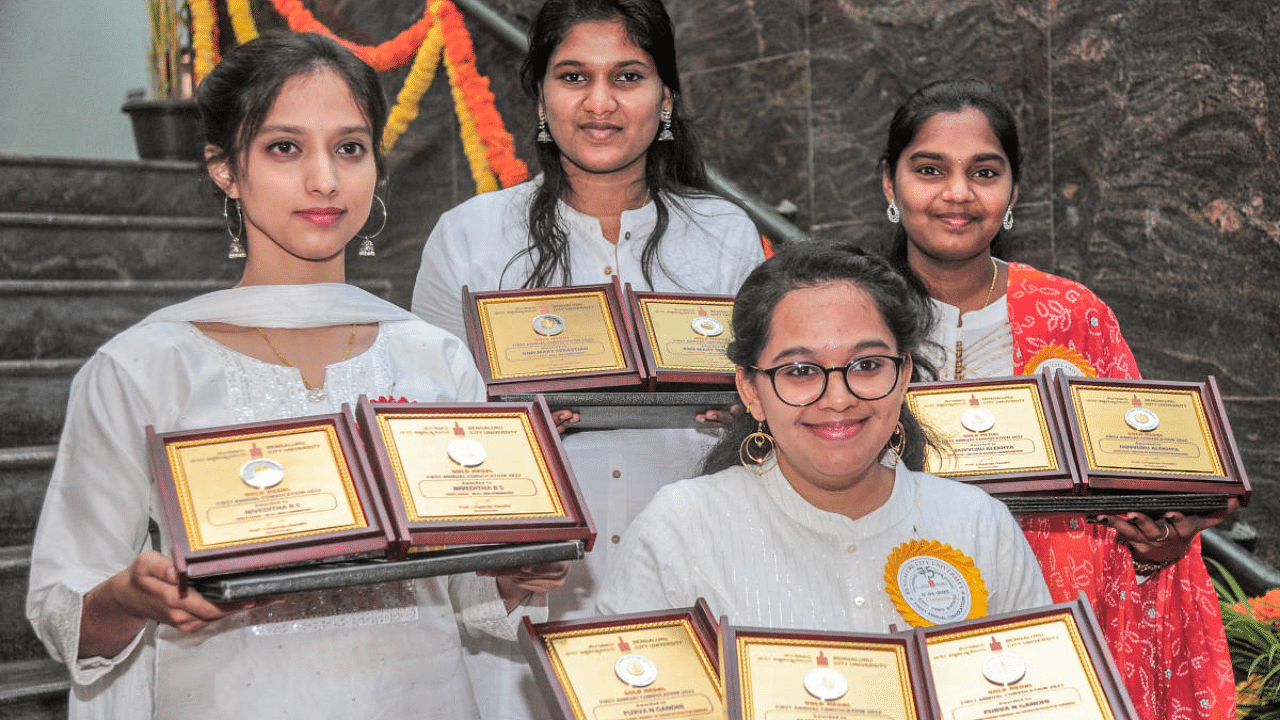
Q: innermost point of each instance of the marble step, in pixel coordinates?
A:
(33, 690)
(113, 247)
(71, 318)
(109, 187)
(33, 401)
(24, 479)
(41, 319)
(17, 640)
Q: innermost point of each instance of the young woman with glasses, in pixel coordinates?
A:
(806, 505)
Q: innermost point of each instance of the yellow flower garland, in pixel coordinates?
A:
(242, 21)
(416, 83)
(202, 44)
(471, 144)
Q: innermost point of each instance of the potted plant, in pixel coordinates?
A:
(1253, 635)
(165, 125)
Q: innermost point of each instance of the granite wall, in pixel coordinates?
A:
(1150, 130)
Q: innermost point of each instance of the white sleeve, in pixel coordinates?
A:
(1021, 583)
(96, 512)
(437, 292)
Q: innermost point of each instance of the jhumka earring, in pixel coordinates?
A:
(665, 134)
(897, 441)
(236, 251)
(892, 212)
(1007, 223)
(757, 449)
(543, 135)
(366, 241)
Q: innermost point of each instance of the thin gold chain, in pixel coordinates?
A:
(995, 273)
(351, 341)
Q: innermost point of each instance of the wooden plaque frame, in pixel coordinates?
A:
(374, 538)
(631, 372)
(549, 674)
(1062, 480)
(673, 377)
(736, 696)
(1232, 481)
(1107, 683)
(573, 522)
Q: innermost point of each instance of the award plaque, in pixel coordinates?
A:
(548, 339)
(1152, 436)
(455, 474)
(798, 675)
(683, 338)
(1000, 434)
(643, 666)
(247, 497)
(1050, 663)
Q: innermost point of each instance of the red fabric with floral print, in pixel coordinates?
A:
(1165, 634)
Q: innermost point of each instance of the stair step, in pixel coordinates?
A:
(33, 689)
(111, 187)
(113, 247)
(72, 318)
(17, 640)
(34, 396)
(24, 479)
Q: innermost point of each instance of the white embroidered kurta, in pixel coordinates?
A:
(393, 651)
(762, 555)
(709, 247)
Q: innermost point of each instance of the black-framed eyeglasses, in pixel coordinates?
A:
(869, 377)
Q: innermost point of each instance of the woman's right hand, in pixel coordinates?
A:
(120, 607)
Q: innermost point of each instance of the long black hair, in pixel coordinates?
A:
(809, 264)
(236, 96)
(946, 96)
(672, 166)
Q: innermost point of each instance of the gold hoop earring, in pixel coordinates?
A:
(366, 241)
(897, 441)
(236, 251)
(757, 449)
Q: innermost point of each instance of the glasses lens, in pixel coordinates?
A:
(872, 377)
(799, 383)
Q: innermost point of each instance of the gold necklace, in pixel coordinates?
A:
(314, 394)
(995, 273)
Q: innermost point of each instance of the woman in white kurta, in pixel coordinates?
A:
(294, 149)
(623, 193)
(809, 519)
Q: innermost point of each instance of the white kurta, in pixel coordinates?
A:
(391, 651)
(762, 555)
(709, 247)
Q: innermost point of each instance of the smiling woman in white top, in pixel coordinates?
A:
(809, 516)
(293, 124)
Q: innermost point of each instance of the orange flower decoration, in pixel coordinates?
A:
(386, 56)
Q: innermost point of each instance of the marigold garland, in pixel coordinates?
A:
(386, 56)
(475, 102)
(242, 21)
(204, 37)
(416, 83)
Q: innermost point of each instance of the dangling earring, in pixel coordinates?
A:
(665, 135)
(897, 441)
(1008, 219)
(236, 250)
(757, 449)
(892, 212)
(366, 241)
(543, 135)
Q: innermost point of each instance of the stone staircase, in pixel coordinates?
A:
(87, 248)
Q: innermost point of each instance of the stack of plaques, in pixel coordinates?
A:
(1077, 444)
(618, 357)
(301, 504)
(1046, 662)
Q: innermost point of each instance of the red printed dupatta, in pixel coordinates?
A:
(1166, 633)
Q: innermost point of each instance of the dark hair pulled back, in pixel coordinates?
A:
(907, 314)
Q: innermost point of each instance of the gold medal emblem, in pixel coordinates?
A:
(1061, 358)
